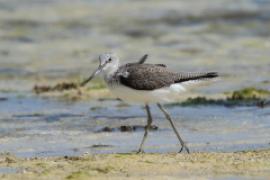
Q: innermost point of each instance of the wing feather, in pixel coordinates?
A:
(155, 76)
(146, 76)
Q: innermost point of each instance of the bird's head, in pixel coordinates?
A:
(108, 64)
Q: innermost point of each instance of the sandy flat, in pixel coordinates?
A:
(244, 165)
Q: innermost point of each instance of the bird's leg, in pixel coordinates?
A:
(174, 128)
(149, 122)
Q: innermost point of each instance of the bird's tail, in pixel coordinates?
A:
(182, 77)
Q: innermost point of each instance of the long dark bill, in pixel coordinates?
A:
(96, 72)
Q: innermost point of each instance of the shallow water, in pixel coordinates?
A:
(8, 170)
(48, 41)
(33, 126)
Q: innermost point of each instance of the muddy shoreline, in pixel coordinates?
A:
(248, 164)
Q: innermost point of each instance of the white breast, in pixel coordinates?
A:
(167, 94)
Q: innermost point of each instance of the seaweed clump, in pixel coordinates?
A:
(65, 86)
(58, 87)
(245, 97)
(249, 94)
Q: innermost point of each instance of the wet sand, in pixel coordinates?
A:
(238, 165)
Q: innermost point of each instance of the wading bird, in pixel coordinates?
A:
(145, 84)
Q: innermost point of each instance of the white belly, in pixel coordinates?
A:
(167, 94)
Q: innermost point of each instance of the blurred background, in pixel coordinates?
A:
(49, 41)
(53, 39)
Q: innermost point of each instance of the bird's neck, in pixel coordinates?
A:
(110, 71)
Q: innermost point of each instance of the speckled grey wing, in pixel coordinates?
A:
(155, 76)
(146, 76)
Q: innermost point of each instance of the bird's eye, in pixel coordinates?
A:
(110, 59)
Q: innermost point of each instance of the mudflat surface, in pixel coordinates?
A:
(239, 165)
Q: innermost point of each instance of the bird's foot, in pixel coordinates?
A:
(184, 146)
(140, 151)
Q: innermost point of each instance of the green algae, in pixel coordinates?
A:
(58, 87)
(249, 93)
(88, 172)
(103, 170)
(79, 175)
(72, 90)
(96, 85)
(66, 86)
(244, 97)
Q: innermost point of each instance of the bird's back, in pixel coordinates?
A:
(154, 76)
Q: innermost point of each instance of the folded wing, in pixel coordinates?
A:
(151, 76)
